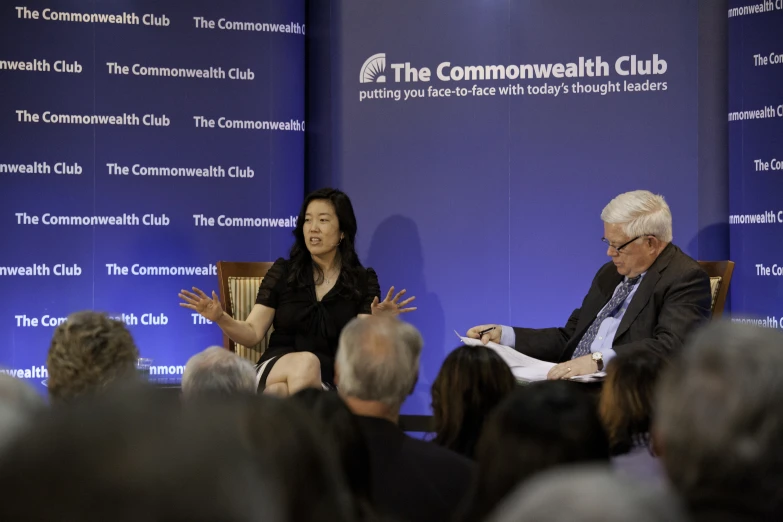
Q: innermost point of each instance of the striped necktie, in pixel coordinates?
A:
(583, 348)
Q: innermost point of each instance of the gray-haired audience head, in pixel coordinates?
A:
(587, 493)
(719, 421)
(378, 360)
(217, 371)
(19, 403)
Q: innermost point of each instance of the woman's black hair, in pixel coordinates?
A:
(537, 427)
(472, 381)
(302, 262)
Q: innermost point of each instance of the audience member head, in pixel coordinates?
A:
(627, 397)
(637, 227)
(218, 371)
(289, 440)
(343, 437)
(537, 427)
(327, 216)
(19, 405)
(587, 493)
(133, 454)
(88, 352)
(377, 365)
(719, 421)
(470, 383)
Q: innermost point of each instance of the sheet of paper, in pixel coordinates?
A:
(524, 367)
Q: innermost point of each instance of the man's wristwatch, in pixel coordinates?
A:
(598, 357)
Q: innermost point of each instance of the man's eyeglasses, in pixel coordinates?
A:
(620, 248)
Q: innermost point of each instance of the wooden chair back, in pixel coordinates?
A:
(720, 273)
(239, 282)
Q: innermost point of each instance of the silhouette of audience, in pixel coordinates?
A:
(692, 436)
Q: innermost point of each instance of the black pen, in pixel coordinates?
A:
(482, 332)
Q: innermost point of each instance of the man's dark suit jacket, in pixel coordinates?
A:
(672, 299)
(413, 480)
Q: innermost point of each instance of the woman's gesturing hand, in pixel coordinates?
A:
(210, 308)
(390, 306)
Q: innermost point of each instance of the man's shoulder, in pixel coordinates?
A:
(388, 439)
(684, 259)
(432, 453)
(681, 264)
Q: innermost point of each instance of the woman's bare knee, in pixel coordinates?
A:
(279, 389)
(308, 364)
(296, 370)
(305, 372)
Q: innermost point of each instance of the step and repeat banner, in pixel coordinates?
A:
(142, 141)
(481, 143)
(756, 160)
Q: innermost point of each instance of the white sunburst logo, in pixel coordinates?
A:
(373, 69)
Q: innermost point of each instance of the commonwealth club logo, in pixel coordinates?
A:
(373, 69)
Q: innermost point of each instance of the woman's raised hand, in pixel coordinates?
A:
(210, 308)
(390, 306)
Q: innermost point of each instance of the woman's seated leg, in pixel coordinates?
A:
(279, 389)
(293, 372)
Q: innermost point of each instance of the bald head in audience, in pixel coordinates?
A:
(217, 371)
(377, 365)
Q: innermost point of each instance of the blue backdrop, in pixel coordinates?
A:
(485, 204)
(756, 160)
(209, 106)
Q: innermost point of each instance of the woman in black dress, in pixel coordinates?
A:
(308, 298)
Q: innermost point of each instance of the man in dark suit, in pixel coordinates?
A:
(650, 296)
(376, 368)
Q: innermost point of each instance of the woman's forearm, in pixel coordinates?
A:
(240, 332)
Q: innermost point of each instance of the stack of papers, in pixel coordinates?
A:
(524, 367)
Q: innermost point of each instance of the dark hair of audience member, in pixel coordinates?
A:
(88, 352)
(627, 397)
(291, 441)
(470, 383)
(537, 427)
(344, 439)
(133, 454)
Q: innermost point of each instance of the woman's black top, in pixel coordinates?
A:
(304, 324)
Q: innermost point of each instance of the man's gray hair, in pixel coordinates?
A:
(19, 403)
(588, 492)
(217, 371)
(719, 414)
(640, 212)
(378, 360)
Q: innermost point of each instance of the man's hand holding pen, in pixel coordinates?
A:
(486, 332)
